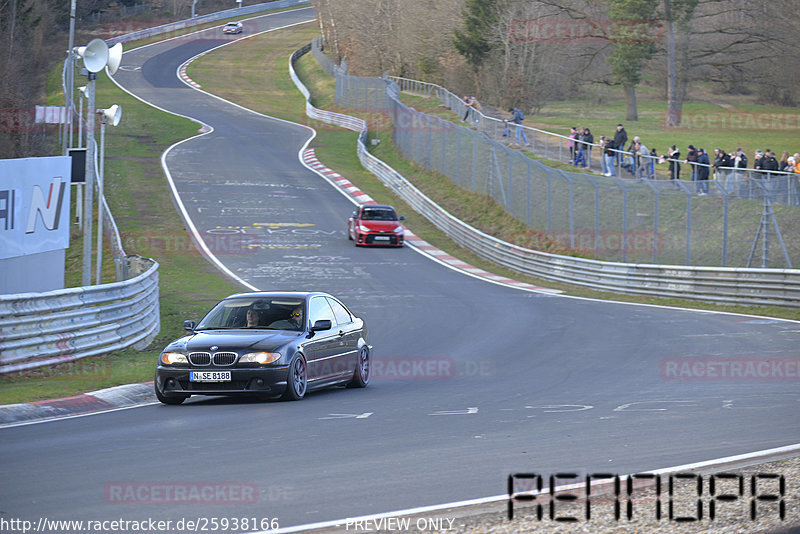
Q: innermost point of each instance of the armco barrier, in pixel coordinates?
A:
(715, 284)
(38, 329)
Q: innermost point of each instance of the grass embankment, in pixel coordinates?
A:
(137, 192)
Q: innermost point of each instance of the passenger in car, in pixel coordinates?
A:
(293, 322)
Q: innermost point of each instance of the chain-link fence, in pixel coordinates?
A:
(741, 221)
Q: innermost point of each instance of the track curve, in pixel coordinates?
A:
(520, 381)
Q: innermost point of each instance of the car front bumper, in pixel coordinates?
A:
(379, 240)
(259, 381)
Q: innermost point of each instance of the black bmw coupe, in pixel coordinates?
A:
(268, 345)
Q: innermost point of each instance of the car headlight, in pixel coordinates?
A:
(171, 358)
(364, 228)
(398, 230)
(260, 357)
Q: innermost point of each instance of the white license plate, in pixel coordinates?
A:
(209, 376)
(382, 238)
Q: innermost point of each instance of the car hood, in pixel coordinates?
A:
(381, 226)
(233, 340)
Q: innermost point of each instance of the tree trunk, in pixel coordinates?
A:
(674, 101)
(631, 113)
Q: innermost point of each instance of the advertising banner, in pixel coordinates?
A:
(34, 205)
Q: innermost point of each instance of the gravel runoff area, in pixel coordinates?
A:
(732, 515)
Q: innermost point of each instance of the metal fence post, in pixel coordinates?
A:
(624, 224)
(571, 214)
(443, 133)
(458, 156)
(549, 201)
(655, 225)
(688, 228)
(474, 160)
(509, 205)
(724, 227)
(528, 194)
(430, 141)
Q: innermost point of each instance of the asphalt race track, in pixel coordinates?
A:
(472, 381)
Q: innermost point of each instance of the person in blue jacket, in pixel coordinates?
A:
(517, 118)
(702, 172)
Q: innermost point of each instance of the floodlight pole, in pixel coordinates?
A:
(70, 74)
(100, 198)
(105, 114)
(87, 199)
(79, 199)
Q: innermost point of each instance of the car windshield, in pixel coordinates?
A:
(274, 313)
(379, 214)
(232, 24)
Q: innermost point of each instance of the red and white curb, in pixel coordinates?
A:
(104, 400)
(310, 159)
(185, 77)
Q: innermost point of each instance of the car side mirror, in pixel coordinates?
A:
(189, 325)
(402, 218)
(322, 324)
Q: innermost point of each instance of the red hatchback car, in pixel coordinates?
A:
(373, 224)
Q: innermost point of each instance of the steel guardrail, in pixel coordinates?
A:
(724, 285)
(38, 329)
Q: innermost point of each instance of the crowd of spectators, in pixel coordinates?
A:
(639, 161)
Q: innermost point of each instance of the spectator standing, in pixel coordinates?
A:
(642, 159)
(674, 166)
(588, 140)
(703, 165)
(620, 138)
(573, 135)
(740, 159)
(768, 162)
(784, 162)
(472, 104)
(609, 157)
(517, 117)
(691, 160)
(652, 163)
(633, 148)
(791, 164)
(721, 161)
(580, 155)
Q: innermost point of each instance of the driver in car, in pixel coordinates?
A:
(253, 318)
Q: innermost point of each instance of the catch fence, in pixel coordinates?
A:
(741, 221)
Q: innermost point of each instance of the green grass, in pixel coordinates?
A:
(140, 201)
